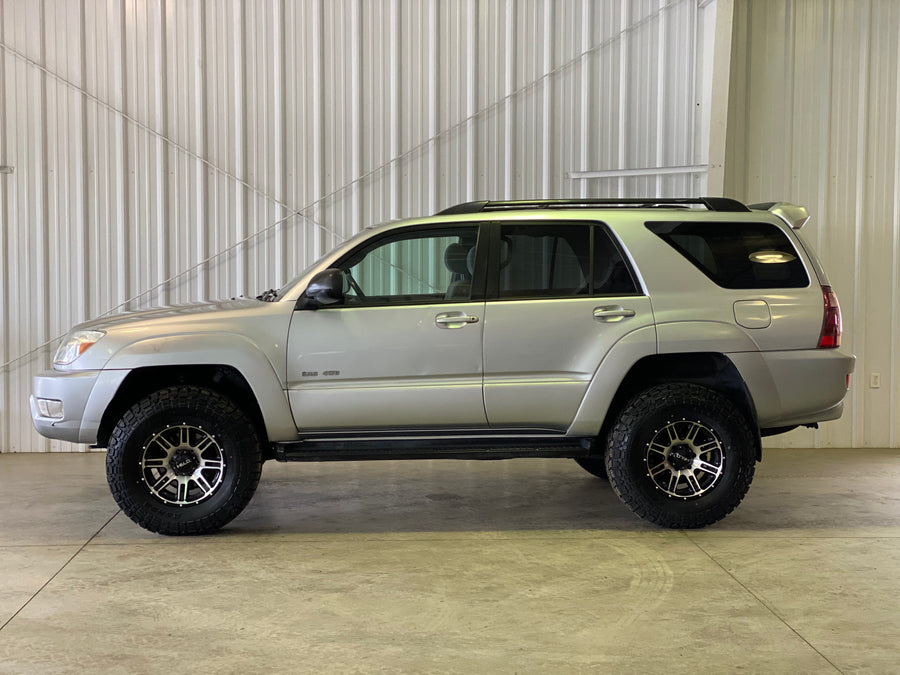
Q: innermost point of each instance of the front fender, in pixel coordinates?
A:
(225, 349)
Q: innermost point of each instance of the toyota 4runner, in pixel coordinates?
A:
(653, 341)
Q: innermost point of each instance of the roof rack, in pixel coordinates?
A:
(711, 203)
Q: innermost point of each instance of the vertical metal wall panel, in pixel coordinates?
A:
(815, 118)
(175, 151)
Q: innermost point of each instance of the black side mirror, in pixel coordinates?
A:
(326, 288)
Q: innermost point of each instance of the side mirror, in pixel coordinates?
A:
(326, 288)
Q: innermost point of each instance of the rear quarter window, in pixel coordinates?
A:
(736, 255)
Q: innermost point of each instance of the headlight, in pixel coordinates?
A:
(76, 345)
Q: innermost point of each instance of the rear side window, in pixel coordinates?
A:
(737, 255)
(559, 260)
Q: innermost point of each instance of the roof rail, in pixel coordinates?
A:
(711, 203)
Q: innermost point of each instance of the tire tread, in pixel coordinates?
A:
(197, 400)
(621, 440)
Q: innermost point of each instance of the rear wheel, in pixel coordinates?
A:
(681, 455)
(183, 460)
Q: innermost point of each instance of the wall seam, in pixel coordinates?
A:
(44, 246)
(162, 196)
(5, 433)
(895, 269)
(858, 404)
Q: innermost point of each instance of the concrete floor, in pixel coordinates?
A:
(528, 566)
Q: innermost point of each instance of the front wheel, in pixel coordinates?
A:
(183, 460)
(681, 455)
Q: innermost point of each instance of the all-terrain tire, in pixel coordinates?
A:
(681, 455)
(184, 460)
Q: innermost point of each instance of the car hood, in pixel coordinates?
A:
(172, 330)
(176, 314)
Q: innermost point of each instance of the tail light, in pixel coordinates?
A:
(831, 322)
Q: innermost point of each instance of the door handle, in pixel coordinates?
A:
(612, 313)
(454, 320)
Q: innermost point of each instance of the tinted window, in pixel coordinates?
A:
(415, 267)
(559, 260)
(611, 274)
(737, 255)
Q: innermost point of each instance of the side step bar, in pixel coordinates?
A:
(421, 448)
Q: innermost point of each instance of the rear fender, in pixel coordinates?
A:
(608, 377)
(703, 336)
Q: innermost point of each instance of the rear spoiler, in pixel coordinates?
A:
(793, 215)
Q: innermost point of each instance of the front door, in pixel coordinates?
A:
(403, 349)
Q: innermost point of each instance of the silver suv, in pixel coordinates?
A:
(652, 341)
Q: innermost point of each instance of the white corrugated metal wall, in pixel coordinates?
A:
(815, 119)
(175, 151)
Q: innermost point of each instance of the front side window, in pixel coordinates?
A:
(559, 260)
(420, 267)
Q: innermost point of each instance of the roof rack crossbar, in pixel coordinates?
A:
(711, 203)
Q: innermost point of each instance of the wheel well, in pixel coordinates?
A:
(143, 381)
(709, 369)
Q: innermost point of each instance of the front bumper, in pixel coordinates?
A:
(85, 395)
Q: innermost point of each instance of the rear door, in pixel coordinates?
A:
(559, 296)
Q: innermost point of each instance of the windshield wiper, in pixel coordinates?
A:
(270, 295)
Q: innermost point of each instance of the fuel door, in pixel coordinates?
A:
(752, 313)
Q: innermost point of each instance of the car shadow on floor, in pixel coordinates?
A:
(521, 496)
(63, 499)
